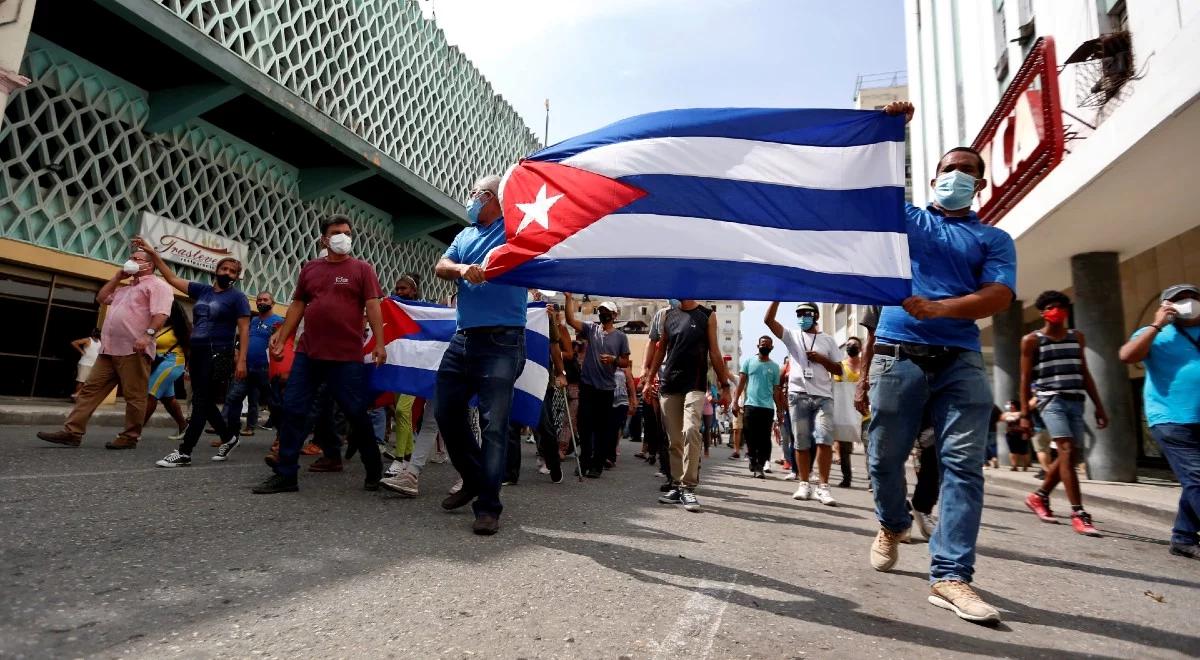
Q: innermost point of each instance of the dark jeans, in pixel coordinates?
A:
(486, 366)
(595, 420)
(756, 435)
(619, 415)
(346, 384)
(925, 493)
(547, 434)
(1180, 443)
(845, 455)
(635, 424)
(256, 386)
(210, 370)
(512, 458)
(653, 435)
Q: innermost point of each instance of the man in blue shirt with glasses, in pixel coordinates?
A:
(484, 359)
(927, 358)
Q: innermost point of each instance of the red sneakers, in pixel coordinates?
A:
(1041, 507)
(1082, 522)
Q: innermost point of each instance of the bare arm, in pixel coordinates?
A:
(569, 310)
(110, 287)
(81, 344)
(243, 326)
(449, 270)
(741, 389)
(375, 320)
(990, 299)
(1028, 351)
(285, 332)
(1136, 349)
(862, 400)
(169, 275)
(769, 319)
(624, 362)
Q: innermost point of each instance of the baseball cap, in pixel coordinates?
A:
(609, 305)
(809, 306)
(1176, 289)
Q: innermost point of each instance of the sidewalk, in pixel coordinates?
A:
(1155, 496)
(51, 414)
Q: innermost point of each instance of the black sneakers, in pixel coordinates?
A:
(556, 475)
(486, 524)
(1181, 550)
(225, 448)
(689, 501)
(173, 460)
(276, 483)
(675, 496)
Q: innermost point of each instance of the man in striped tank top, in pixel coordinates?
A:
(1055, 378)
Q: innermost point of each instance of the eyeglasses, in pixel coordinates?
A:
(479, 194)
(806, 313)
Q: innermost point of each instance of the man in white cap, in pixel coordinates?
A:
(607, 351)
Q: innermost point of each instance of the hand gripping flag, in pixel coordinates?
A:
(416, 334)
(730, 204)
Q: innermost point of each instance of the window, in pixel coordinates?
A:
(1001, 67)
(37, 358)
(1113, 13)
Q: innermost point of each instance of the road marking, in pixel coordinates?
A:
(106, 473)
(696, 628)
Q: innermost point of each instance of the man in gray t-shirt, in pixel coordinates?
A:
(607, 351)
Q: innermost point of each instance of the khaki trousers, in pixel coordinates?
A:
(133, 373)
(683, 415)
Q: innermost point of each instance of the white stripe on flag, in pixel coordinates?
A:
(827, 168)
(422, 313)
(416, 354)
(533, 379)
(658, 235)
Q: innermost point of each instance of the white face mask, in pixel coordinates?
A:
(323, 253)
(1186, 309)
(131, 267)
(339, 244)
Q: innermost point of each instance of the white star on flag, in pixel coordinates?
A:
(538, 210)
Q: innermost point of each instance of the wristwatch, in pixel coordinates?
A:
(150, 332)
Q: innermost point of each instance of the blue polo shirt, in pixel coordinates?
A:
(1172, 388)
(950, 257)
(215, 315)
(486, 304)
(260, 336)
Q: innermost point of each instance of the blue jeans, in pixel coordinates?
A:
(256, 383)
(959, 402)
(486, 366)
(346, 383)
(812, 420)
(1180, 443)
(1063, 418)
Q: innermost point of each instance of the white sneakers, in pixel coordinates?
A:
(809, 490)
(790, 476)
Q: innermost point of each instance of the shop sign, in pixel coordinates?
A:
(186, 245)
(1022, 141)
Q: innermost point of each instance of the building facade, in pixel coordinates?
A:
(1086, 113)
(237, 124)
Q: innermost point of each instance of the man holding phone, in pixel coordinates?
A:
(607, 351)
(1169, 348)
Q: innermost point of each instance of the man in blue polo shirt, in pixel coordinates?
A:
(927, 357)
(257, 383)
(483, 360)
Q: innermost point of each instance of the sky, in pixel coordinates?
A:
(599, 61)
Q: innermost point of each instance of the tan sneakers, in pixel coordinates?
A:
(961, 599)
(885, 551)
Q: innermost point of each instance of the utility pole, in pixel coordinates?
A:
(546, 133)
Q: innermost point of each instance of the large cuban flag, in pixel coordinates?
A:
(416, 335)
(731, 203)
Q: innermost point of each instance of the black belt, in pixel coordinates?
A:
(916, 351)
(490, 330)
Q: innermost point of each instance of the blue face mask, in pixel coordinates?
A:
(805, 322)
(954, 190)
(473, 208)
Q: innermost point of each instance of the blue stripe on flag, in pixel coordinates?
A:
(537, 348)
(433, 330)
(526, 409)
(709, 279)
(769, 205)
(406, 380)
(821, 128)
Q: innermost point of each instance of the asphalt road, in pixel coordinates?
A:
(102, 554)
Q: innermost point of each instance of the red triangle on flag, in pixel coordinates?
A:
(396, 324)
(545, 202)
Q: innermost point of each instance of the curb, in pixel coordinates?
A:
(51, 417)
(1103, 502)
